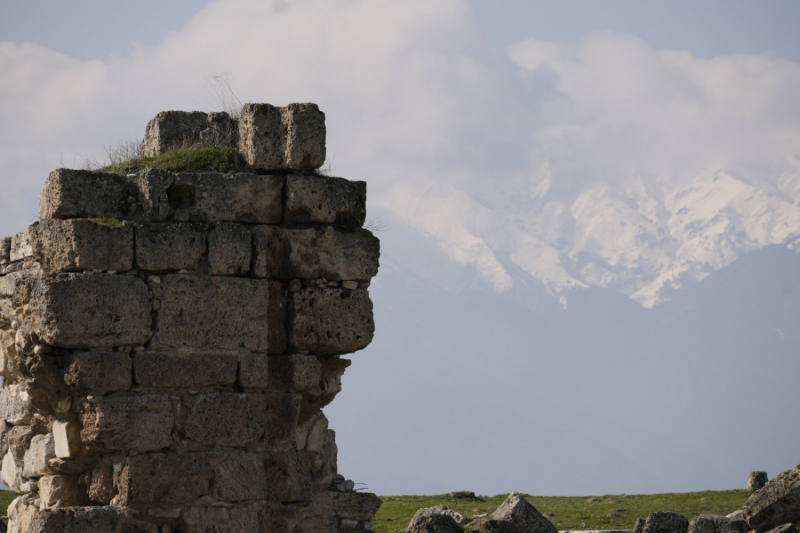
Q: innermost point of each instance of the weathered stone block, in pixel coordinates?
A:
(108, 519)
(319, 252)
(169, 246)
(90, 311)
(253, 371)
(5, 250)
(214, 312)
(330, 321)
(87, 194)
(305, 136)
(775, 504)
(663, 522)
(324, 200)
(42, 449)
(99, 371)
(225, 418)
(67, 437)
(290, 475)
(128, 423)
(163, 478)
(15, 407)
(353, 505)
(22, 244)
(283, 411)
(173, 130)
(184, 370)
(240, 477)
(717, 524)
(61, 491)
(11, 472)
(306, 373)
(82, 244)
(229, 250)
(756, 480)
(211, 519)
(277, 318)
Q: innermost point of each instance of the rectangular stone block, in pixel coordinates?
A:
(239, 477)
(5, 250)
(319, 252)
(225, 418)
(67, 438)
(163, 478)
(173, 130)
(83, 244)
(15, 404)
(214, 313)
(229, 250)
(87, 194)
(212, 519)
(128, 423)
(90, 310)
(105, 519)
(305, 136)
(353, 505)
(171, 246)
(289, 475)
(253, 371)
(41, 450)
(325, 200)
(99, 371)
(22, 245)
(278, 138)
(166, 370)
(330, 321)
(61, 491)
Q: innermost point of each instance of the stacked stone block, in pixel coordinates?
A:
(168, 342)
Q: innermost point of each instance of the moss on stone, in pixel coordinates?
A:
(224, 160)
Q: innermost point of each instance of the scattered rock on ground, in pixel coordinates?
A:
(777, 503)
(757, 480)
(666, 523)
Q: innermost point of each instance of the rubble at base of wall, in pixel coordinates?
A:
(168, 340)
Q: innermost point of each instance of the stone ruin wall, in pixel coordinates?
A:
(168, 340)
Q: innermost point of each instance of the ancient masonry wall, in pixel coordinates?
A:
(168, 340)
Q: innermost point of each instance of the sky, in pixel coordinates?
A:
(533, 164)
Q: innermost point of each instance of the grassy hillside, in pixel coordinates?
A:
(570, 512)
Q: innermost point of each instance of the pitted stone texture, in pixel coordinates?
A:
(291, 476)
(67, 436)
(188, 370)
(11, 472)
(705, 523)
(515, 511)
(666, 523)
(90, 311)
(174, 130)
(22, 244)
(353, 505)
(777, 503)
(214, 313)
(253, 371)
(88, 194)
(330, 321)
(229, 250)
(5, 250)
(24, 517)
(319, 252)
(128, 423)
(283, 412)
(82, 244)
(325, 200)
(212, 519)
(757, 480)
(172, 246)
(240, 477)
(99, 371)
(275, 138)
(61, 491)
(225, 418)
(163, 478)
(15, 404)
(42, 449)
(306, 374)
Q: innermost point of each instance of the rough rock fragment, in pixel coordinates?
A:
(523, 516)
(663, 522)
(61, 491)
(717, 524)
(777, 503)
(756, 480)
(41, 450)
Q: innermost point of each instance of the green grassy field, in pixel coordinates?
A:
(618, 511)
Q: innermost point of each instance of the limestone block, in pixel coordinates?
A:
(274, 138)
(756, 480)
(330, 321)
(283, 411)
(169, 246)
(290, 475)
(325, 200)
(15, 405)
(5, 250)
(663, 522)
(183, 370)
(11, 472)
(253, 371)
(173, 130)
(225, 418)
(87, 194)
(717, 524)
(61, 491)
(22, 244)
(42, 449)
(775, 504)
(105, 519)
(352, 505)
(163, 478)
(211, 519)
(305, 136)
(306, 374)
(99, 371)
(229, 250)
(100, 487)
(240, 477)
(67, 439)
(90, 310)
(277, 315)
(319, 252)
(67, 245)
(128, 423)
(214, 313)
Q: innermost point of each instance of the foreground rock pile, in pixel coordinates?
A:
(168, 340)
